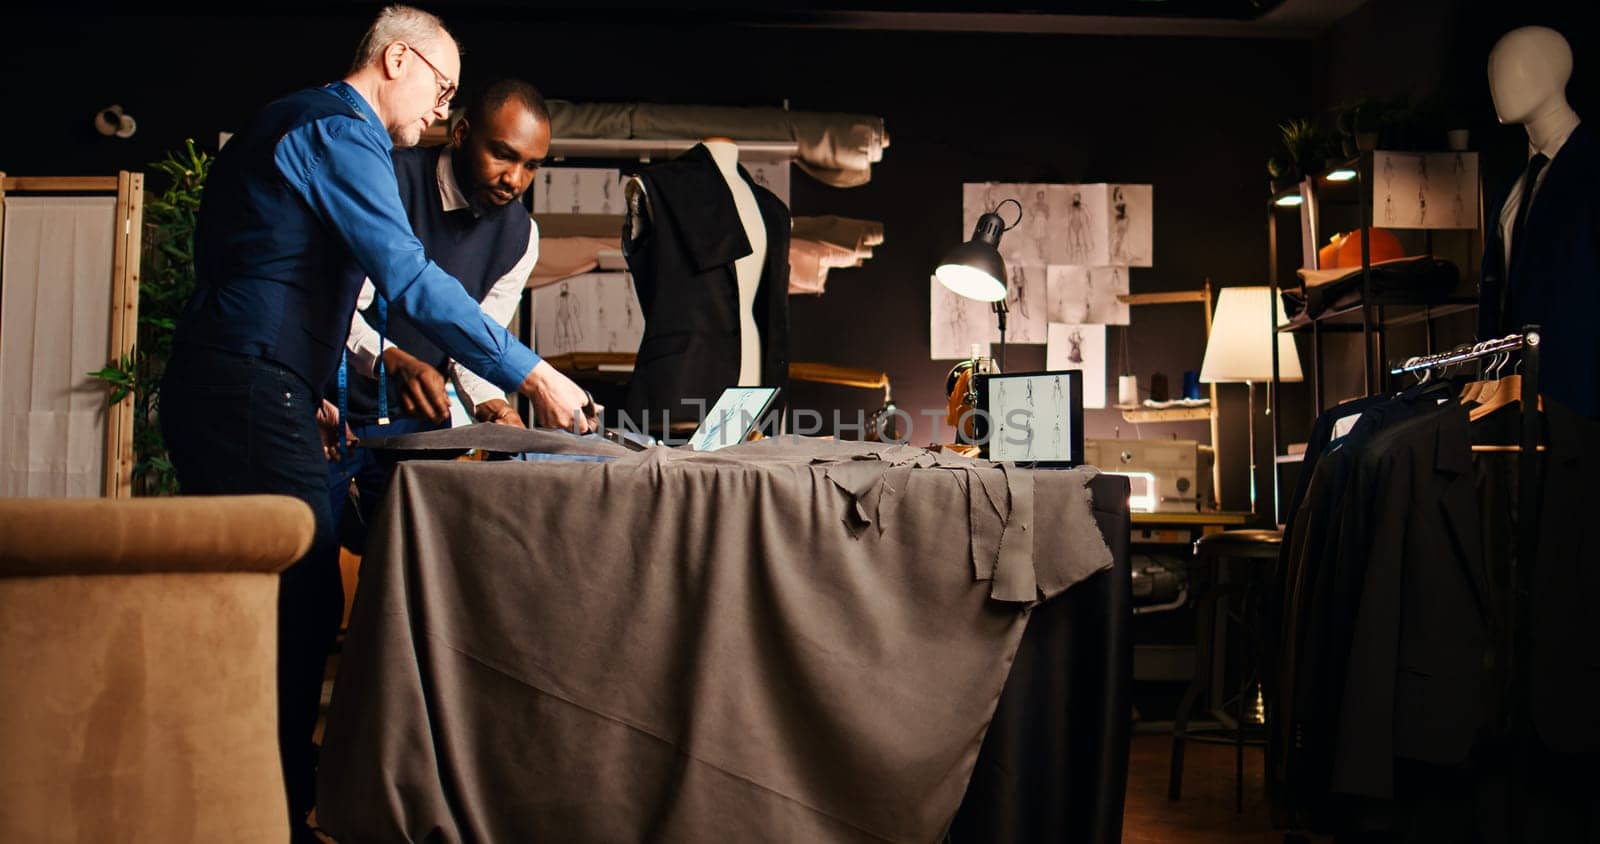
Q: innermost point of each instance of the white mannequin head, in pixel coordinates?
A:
(1528, 72)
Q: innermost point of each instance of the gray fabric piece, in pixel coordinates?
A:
(495, 439)
(675, 646)
(835, 149)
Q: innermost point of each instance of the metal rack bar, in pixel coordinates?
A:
(1508, 343)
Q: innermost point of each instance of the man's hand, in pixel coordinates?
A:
(328, 426)
(557, 402)
(498, 411)
(421, 387)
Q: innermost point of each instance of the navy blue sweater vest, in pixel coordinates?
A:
(272, 281)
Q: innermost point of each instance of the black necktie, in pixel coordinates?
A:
(1530, 178)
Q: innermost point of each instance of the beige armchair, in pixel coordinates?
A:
(138, 642)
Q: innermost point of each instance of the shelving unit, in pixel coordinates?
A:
(1373, 319)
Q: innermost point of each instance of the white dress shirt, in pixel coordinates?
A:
(500, 303)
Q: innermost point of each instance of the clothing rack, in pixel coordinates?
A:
(1518, 722)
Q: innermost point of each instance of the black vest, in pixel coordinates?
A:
(683, 271)
(476, 250)
(271, 279)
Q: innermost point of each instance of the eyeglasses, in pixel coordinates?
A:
(447, 86)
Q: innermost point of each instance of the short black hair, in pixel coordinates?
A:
(502, 91)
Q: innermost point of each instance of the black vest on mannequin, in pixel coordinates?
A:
(682, 266)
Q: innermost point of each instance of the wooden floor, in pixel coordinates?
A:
(1206, 813)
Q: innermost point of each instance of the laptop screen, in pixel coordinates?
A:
(729, 422)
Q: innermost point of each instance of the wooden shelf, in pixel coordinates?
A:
(1419, 314)
(1186, 518)
(1141, 415)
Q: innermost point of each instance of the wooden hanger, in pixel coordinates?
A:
(1480, 390)
(1506, 392)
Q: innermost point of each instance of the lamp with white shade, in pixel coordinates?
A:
(1240, 351)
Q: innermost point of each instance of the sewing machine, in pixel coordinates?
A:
(1165, 476)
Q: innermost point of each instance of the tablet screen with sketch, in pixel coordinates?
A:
(729, 422)
(1032, 417)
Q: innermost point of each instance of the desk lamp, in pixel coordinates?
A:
(975, 269)
(1240, 350)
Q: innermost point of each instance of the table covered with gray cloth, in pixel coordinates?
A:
(788, 640)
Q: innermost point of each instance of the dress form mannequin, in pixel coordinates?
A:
(747, 270)
(1541, 260)
(1528, 72)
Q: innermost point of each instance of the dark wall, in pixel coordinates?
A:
(1194, 117)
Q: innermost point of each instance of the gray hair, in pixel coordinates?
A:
(399, 23)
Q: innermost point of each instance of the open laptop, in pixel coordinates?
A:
(729, 421)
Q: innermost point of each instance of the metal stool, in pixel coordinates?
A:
(1211, 553)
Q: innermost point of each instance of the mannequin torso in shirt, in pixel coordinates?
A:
(1528, 72)
(747, 270)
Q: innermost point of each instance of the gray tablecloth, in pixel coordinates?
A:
(784, 641)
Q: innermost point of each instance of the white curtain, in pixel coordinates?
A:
(55, 326)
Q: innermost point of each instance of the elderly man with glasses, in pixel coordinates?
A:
(299, 207)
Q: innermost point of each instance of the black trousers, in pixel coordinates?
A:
(238, 425)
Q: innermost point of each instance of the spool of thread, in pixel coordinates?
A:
(1128, 390)
(1191, 384)
(1158, 387)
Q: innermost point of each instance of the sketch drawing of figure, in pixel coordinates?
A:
(1038, 228)
(1029, 385)
(1422, 190)
(1019, 292)
(1119, 226)
(1058, 388)
(1459, 175)
(957, 321)
(1079, 221)
(991, 200)
(548, 177)
(568, 331)
(1075, 346)
(999, 424)
(605, 197)
(1388, 190)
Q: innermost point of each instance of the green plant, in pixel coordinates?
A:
(1304, 146)
(165, 282)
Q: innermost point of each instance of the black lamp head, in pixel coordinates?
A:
(975, 269)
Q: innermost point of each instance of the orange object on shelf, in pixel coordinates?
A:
(1385, 247)
(1328, 256)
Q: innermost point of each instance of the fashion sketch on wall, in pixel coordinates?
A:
(1080, 346)
(956, 322)
(593, 312)
(1087, 294)
(1025, 302)
(1436, 190)
(1130, 218)
(577, 190)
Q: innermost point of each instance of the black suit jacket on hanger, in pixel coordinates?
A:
(1422, 681)
(683, 271)
(1555, 282)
